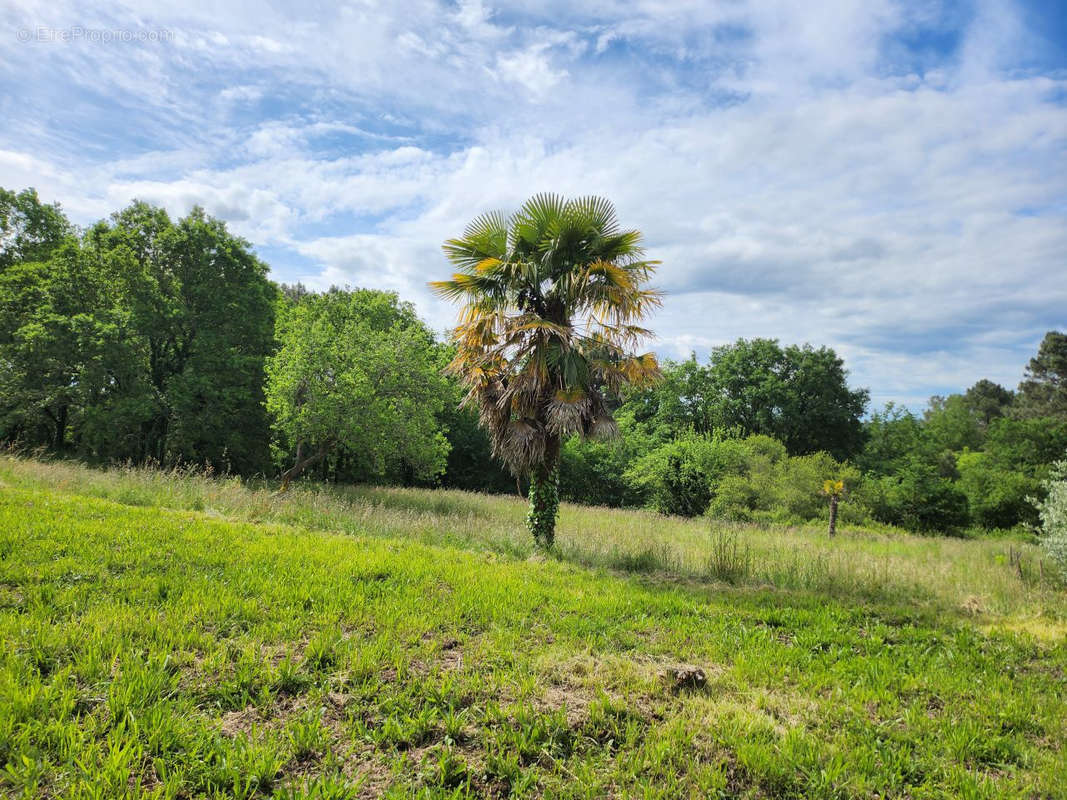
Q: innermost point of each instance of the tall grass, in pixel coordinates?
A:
(730, 559)
(991, 578)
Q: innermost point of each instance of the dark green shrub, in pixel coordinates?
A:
(919, 499)
(675, 478)
(997, 497)
(591, 472)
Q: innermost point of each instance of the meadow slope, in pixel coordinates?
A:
(998, 582)
(177, 636)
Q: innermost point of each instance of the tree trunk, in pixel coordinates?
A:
(303, 463)
(544, 504)
(60, 441)
(57, 437)
(833, 514)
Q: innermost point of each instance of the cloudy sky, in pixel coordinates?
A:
(887, 178)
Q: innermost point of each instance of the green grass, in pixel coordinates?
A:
(169, 635)
(998, 581)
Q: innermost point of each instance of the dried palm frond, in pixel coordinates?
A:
(553, 296)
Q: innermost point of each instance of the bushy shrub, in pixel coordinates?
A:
(761, 449)
(799, 480)
(679, 477)
(675, 477)
(996, 497)
(741, 480)
(736, 498)
(1053, 512)
(919, 499)
(768, 484)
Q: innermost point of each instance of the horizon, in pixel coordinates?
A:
(887, 180)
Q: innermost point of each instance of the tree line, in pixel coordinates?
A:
(754, 433)
(153, 340)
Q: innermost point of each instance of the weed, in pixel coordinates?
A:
(729, 557)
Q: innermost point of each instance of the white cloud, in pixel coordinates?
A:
(241, 94)
(531, 68)
(797, 176)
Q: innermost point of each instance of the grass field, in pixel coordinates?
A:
(171, 635)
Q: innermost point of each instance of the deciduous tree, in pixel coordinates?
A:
(356, 372)
(799, 395)
(30, 231)
(201, 317)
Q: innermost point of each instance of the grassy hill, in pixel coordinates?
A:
(171, 635)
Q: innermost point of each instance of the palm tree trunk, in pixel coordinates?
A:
(833, 514)
(544, 504)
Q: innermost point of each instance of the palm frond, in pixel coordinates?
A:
(568, 411)
(491, 227)
(475, 286)
(597, 213)
(603, 428)
(553, 296)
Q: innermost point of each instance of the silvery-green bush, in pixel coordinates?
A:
(1053, 512)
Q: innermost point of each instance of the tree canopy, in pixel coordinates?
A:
(797, 394)
(29, 229)
(144, 339)
(1043, 391)
(355, 375)
(199, 312)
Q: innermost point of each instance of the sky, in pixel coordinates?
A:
(885, 178)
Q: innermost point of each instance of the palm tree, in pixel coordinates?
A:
(834, 490)
(553, 294)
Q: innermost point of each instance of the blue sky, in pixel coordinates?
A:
(887, 178)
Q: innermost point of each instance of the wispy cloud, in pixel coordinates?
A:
(888, 178)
